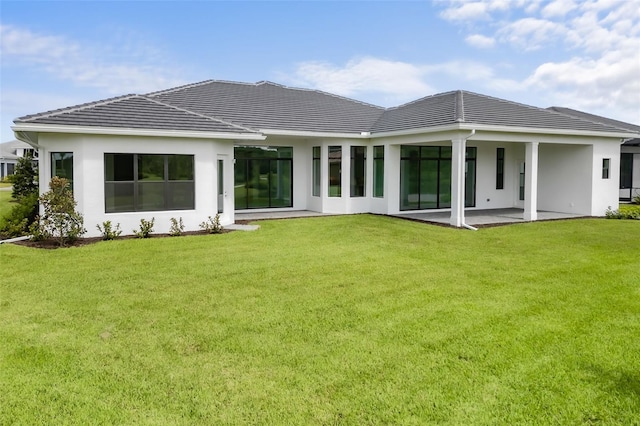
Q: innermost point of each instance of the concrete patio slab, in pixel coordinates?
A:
(472, 217)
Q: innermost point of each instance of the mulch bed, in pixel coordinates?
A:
(53, 244)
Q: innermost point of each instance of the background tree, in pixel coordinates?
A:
(24, 178)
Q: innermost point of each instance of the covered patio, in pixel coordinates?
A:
(486, 217)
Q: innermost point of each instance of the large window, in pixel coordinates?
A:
(335, 171)
(148, 182)
(316, 171)
(425, 177)
(62, 166)
(500, 168)
(358, 170)
(378, 171)
(263, 177)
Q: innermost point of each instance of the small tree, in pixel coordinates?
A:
(60, 220)
(24, 178)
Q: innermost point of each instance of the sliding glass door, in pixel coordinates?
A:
(425, 177)
(263, 177)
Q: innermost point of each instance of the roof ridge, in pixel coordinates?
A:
(304, 89)
(420, 99)
(75, 108)
(175, 89)
(219, 120)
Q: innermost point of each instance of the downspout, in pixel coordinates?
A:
(473, 132)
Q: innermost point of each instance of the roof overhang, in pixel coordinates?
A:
(308, 134)
(34, 129)
(505, 129)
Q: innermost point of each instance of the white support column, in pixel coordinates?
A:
(458, 157)
(531, 182)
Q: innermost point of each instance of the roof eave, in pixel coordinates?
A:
(312, 134)
(127, 131)
(505, 129)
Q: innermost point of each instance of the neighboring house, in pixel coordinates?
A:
(10, 152)
(629, 152)
(221, 147)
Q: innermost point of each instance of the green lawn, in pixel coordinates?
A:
(6, 202)
(335, 320)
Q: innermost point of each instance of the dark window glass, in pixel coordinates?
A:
(148, 182)
(263, 177)
(378, 171)
(335, 171)
(62, 166)
(425, 177)
(606, 162)
(316, 171)
(522, 182)
(181, 167)
(358, 170)
(500, 168)
(119, 167)
(626, 170)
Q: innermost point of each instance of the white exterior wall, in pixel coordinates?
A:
(89, 177)
(605, 191)
(565, 178)
(569, 173)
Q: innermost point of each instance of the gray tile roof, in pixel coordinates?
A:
(472, 108)
(133, 112)
(266, 105)
(232, 107)
(600, 119)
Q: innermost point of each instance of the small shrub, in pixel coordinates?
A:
(636, 198)
(59, 220)
(625, 212)
(177, 227)
(108, 231)
(18, 220)
(212, 225)
(146, 228)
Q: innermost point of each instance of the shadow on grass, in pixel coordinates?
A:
(620, 381)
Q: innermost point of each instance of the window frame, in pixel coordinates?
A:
(500, 168)
(606, 168)
(316, 169)
(335, 164)
(358, 171)
(378, 171)
(137, 184)
(54, 168)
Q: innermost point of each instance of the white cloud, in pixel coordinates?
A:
(85, 65)
(390, 83)
(480, 41)
(558, 8)
(393, 79)
(599, 39)
(530, 33)
(466, 11)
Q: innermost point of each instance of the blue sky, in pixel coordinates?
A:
(579, 54)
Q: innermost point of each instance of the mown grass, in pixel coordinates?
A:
(334, 320)
(6, 202)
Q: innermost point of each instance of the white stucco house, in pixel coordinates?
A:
(222, 147)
